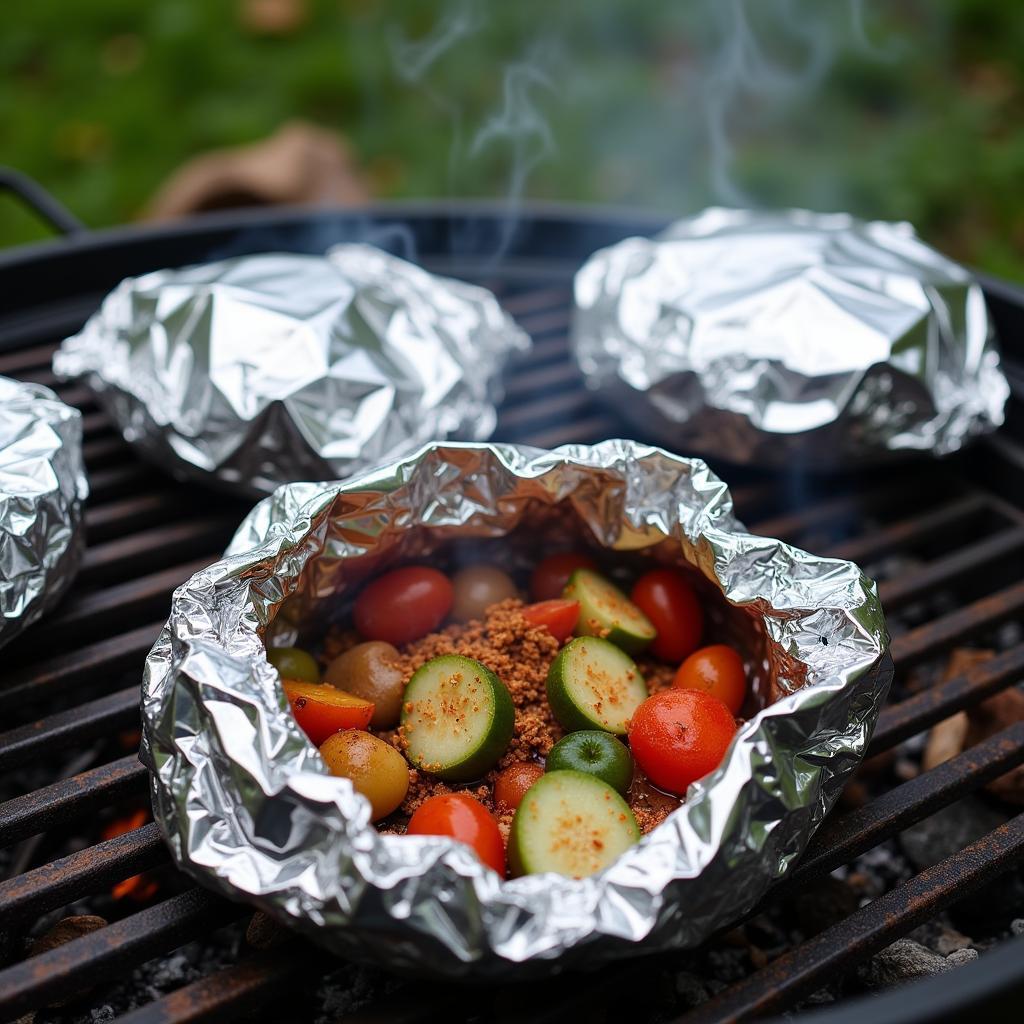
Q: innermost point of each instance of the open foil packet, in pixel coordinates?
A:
(42, 490)
(248, 808)
(789, 337)
(257, 370)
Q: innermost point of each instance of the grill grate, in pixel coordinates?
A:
(947, 551)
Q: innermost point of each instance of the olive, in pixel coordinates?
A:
(477, 588)
(376, 769)
(370, 671)
(294, 663)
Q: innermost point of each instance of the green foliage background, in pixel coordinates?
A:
(906, 109)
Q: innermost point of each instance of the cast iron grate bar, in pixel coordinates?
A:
(233, 991)
(801, 971)
(70, 878)
(69, 728)
(966, 559)
(72, 798)
(79, 964)
(63, 672)
(841, 839)
(128, 515)
(954, 517)
(938, 635)
(140, 597)
(899, 721)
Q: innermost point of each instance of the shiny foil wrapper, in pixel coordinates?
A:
(789, 338)
(247, 806)
(259, 370)
(42, 490)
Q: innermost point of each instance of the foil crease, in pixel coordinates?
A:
(248, 809)
(789, 338)
(259, 370)
(42, 490)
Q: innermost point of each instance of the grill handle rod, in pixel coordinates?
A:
(52, 212)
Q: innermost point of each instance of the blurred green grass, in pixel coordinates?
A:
(101, 101)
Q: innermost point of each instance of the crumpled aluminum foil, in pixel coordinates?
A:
(42, 490)
(248, 808)
(258, 370)
(789, 338)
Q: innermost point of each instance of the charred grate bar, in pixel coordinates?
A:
(947, 544)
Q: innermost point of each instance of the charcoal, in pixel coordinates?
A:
(905, 960)
(949, 830)
(950, 940)
(348, 989)
(989, 911)
(690, 989)
(823, 903)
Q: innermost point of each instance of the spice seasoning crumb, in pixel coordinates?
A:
(520, 654)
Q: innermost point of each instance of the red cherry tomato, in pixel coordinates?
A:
(667, 599)
(717, 670)
(678, 736)
(403, 605)
(463, 818)
(552, 573)
(511, 785)
(323, 710)
(558, 616)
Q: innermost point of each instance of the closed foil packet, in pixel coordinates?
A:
(789, 338)
(42, 490)
(258, 370)
(248, 808)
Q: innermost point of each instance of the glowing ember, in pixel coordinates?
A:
(139, 888)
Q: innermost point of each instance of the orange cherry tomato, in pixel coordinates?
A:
(463, 818)
(323, 710)
(403, 605)
(552, 573)
(717, 670)
(678, 736)
(511, 785)
(667, 599)
(558, 616)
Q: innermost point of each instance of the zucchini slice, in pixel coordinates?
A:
(593, 684)
(605, 611)
(457, 718)
(570, 823)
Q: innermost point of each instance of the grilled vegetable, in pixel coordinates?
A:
(463, 818)
(476, 588)
(606, 611)
(678, 736)
(551, 575)
(376, 769)
(595, 753)
(571, 823)
(666, 597)
(457, 718)
(511, 785)
(717, 670)
(321, 710)
(370, 671)
(558, 617)
(294, 663)
(592, 684)
(403, 605)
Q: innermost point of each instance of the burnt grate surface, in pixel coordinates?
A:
(946, 543)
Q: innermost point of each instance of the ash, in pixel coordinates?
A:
(151, 981)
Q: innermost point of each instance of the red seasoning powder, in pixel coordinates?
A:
(519, 654)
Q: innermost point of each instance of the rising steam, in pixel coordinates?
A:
(721, 74)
